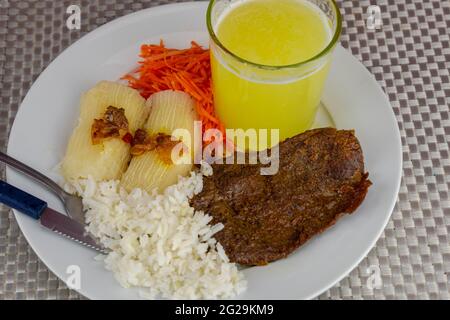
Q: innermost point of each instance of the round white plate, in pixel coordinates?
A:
(49, 111)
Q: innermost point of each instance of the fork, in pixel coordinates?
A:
(72, 204)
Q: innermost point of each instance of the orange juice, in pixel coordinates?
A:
(258, 89)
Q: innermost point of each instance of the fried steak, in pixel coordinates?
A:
(321, 176)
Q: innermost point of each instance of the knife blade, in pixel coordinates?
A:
(69, 228)
(49, 218)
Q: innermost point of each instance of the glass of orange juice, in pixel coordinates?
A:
(269, 61)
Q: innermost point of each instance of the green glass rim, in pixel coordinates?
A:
(326, 50)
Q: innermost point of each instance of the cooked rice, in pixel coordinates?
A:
(158, 242)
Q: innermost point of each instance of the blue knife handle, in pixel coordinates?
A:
(22, 201)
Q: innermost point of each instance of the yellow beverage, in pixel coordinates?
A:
(276, 34)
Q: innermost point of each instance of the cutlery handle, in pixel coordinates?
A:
(47, 182)
(22, 201)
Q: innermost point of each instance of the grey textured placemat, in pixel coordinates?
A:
(410, 58)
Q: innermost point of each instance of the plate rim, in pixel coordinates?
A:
(105, 27)
(398, 177)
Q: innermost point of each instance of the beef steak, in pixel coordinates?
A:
(321, 176)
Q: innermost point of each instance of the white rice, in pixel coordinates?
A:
(158, 242)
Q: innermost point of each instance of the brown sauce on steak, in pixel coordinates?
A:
(321, 176)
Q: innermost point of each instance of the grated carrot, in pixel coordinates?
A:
(186, 70)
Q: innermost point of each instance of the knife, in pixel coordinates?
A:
(49, 218)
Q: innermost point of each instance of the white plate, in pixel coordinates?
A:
(48, 113)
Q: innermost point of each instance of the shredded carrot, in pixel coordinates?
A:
(187, 70)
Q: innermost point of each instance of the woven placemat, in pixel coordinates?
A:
(410, 58)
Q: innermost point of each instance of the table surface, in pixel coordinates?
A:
(410, 58)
